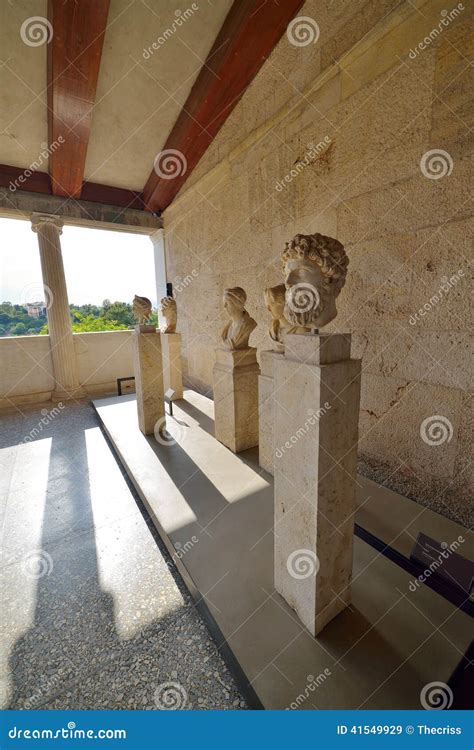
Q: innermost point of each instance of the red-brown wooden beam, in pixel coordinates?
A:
(27, 180)
(74, 54)
(248, 35)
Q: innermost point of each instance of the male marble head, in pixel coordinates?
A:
(235, 334)
(141, 309)
(169, 311)
(315, 268)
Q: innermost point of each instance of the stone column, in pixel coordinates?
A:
(172, 371)
(316, 425)
(236, 398)
(148, 369)
(49, 228)
(266, 409)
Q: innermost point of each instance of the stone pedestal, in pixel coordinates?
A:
(266, 409)
(49, 228)
(236, 398)
(316, 427)
(148, 370)
(172, 371)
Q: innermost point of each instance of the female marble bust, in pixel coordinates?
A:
(275, 302)
(235, 334)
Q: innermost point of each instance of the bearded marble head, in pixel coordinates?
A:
(169, 311)
(315, 268)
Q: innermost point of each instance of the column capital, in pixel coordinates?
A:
(37, 221)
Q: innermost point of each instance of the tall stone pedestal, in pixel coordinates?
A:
(172, 371)
(266, 409)
(316, 423)
(236, 398)
(148, 368)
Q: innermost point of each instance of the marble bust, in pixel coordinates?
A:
(315, 268)
(275, 303)
(235, 334)
(141, 309)
(169, 311)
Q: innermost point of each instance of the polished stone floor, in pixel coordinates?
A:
(93, 613)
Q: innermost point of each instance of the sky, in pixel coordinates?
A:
(98, 264)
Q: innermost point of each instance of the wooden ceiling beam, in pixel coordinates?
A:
(249, 33)
(26, 180)
(74, 54)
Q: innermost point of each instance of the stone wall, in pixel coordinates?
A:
(329, 138)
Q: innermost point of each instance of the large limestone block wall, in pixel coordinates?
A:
(329, 138)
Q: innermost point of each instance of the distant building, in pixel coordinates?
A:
(36, 309)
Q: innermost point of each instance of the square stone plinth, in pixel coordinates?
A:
(316, 429)
(266, 409)
(235, 377)
(172, 370)
(148, 369)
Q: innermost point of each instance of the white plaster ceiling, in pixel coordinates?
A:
(138, 100)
